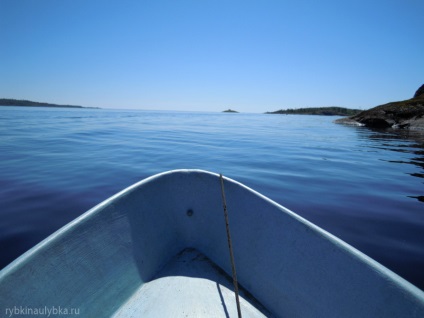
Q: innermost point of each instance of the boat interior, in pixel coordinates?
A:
(190, 285)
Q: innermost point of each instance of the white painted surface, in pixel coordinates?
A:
(188, 286)
(102, 260)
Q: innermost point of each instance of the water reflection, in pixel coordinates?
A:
(419, 197)
(411, 143)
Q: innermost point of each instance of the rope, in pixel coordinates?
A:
(230, 246)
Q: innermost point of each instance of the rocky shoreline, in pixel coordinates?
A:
(323, 111)
(407, 114)
(28, 103)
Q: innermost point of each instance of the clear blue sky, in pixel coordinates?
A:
(209, 55)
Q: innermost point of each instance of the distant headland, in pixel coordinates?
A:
(28, 103)
(325, 111)
(406, 114)
(229, 111)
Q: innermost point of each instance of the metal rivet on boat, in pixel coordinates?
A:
(189, 212)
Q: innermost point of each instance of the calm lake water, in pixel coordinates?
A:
(363, 186)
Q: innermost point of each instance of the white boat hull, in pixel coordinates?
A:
(118, 255)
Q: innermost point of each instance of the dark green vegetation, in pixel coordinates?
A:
(406, 114)
(19, 102)
(420, 92)
(230, 111)
(327, 111)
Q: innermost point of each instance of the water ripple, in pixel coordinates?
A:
(364, 186)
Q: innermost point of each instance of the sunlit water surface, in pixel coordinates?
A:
(363, 186)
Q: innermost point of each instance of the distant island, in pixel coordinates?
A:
(230, 111)
(327, 111)
(28, 103)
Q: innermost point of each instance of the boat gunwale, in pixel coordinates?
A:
(386, 273)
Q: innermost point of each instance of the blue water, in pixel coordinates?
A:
(364, 186)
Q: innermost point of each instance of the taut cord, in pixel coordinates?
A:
(230, 246)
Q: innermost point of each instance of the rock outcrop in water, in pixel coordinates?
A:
(407, 114)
